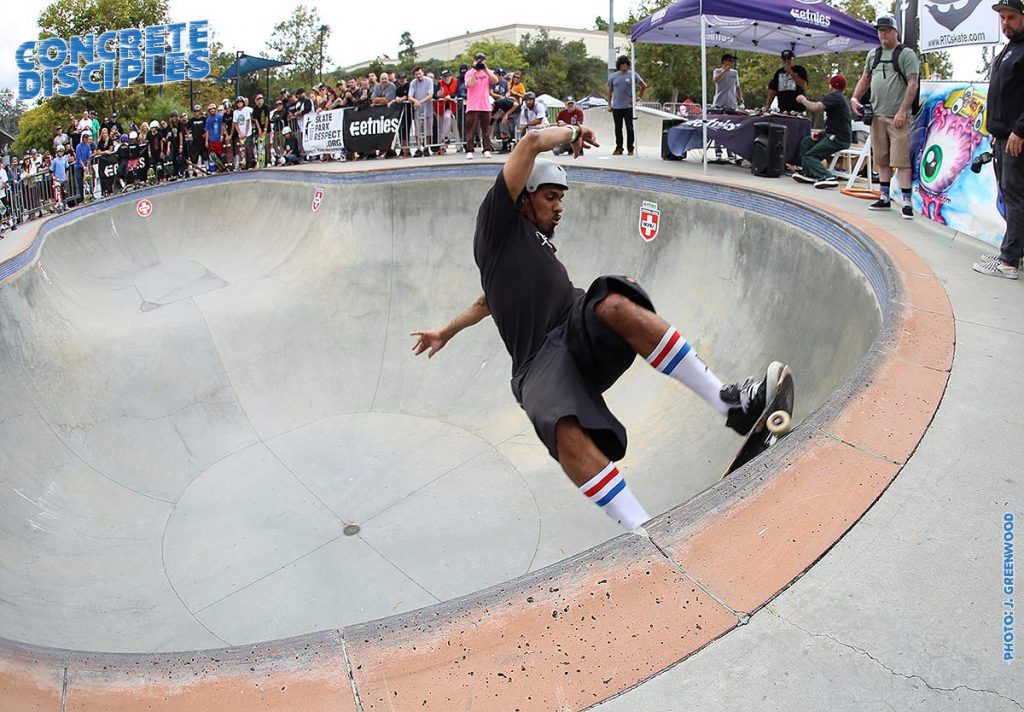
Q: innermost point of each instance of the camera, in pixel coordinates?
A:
(867, 113)
(980, 160)
(479, 65)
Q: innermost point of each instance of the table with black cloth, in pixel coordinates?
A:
(736, 133)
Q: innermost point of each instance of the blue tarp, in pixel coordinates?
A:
(247, 64)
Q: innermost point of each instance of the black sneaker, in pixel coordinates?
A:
(801, 178)
(831, 182)
(908, 212)
(748, 399)
(880, 205)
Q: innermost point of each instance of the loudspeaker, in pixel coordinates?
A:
(768, 157)
(666, 154)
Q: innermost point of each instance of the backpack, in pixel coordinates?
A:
(895, 61)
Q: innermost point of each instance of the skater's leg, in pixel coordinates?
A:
(595, 476)
(662, 346)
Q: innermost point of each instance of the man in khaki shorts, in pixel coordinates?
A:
(892, 73)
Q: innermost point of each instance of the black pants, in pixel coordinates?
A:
(1010, 176)
(620, 116)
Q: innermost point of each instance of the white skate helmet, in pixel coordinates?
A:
(546, 172)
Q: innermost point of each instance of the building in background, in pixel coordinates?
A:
(446, 50)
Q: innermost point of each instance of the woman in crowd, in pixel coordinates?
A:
(103, 143)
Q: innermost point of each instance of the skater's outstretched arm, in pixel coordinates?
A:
(435, 340)
(519, 165)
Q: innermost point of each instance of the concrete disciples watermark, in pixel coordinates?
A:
(1009, 610)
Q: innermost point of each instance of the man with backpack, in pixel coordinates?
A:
(892, 72)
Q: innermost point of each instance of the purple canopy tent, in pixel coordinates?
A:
(806, 27)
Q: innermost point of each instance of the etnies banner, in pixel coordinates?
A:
(363, 130)
(107, 165)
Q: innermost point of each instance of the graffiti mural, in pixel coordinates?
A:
(948, 135)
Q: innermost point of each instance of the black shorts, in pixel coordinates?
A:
(578, 361)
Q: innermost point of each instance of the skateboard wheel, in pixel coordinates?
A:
(779, 422)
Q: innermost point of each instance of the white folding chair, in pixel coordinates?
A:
(856, 159)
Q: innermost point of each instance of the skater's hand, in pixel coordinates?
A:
(587, 139)
(432, 340)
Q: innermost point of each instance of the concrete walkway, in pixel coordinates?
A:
(906, 612)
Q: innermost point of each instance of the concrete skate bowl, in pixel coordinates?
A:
(213, 433)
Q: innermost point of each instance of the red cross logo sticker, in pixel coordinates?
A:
(650, 219)
(143, 208)
(318, 197)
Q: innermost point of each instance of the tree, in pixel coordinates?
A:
(407, 51)
(559, 68)
(499, 54)
(11, 110)
(37, 128)
(65, 18)
(300, 40)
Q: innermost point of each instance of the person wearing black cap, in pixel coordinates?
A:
(892, 72)
(728, 94)
(534, 114)
(788, 82)
(1005, 121)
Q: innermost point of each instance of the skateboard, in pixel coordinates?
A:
(774, 423)
(261, 152)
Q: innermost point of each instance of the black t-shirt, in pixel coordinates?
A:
(527, 288)
(123, 152)
(197, 125)
(787, 89)
(838, 116)
(260, 117)
(278, 118)
(173, 136)
(154, 139)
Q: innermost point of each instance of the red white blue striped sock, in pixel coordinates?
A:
(674, 357)
(609, 491)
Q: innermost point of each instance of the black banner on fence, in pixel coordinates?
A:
(107, 164)
(360, 130)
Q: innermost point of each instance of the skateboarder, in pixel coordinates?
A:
(567, 346)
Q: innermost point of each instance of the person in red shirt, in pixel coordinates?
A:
(445, 106)
(571, 115)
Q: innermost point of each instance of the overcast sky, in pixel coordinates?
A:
(360, 31)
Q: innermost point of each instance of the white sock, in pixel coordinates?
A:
(609, 491)
(674, 357)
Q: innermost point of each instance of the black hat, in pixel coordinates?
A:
(463, 67)
(479, 55)
(728, 57)
(402, 75)
(530, 95)
(446, 72)
(1009, 5)
(787, 54)
(300, 90)
(284, 91)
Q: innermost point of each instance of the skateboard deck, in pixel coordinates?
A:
(773, 424)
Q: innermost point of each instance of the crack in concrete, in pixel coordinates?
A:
(894, 673)
(741, 617)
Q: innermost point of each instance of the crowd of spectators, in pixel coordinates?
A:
(242, 134)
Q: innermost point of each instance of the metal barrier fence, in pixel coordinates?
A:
(436, 127)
